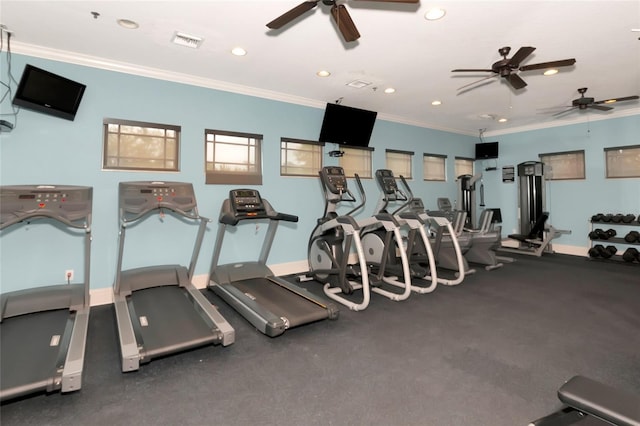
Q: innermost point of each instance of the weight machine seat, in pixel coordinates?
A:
(536, 231)
(602, 401)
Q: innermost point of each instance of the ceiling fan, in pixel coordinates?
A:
(583, 102)
(506, 66)
(338, 12)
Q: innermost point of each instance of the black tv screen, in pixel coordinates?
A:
(49, 93)
(347, 125)
(486, 150)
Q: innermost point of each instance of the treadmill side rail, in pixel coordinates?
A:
(72, 372)
(129, 351)
(217, 322)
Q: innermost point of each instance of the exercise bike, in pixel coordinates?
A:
(334, 237)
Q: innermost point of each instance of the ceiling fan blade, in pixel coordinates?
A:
(345, 24)
(600, 108)
(520, 55)
(515, 81)
(477, 81)
(471, 70)
(394, 1)
(292, 14)
(552, 64)
(613, 100)
(564, 112)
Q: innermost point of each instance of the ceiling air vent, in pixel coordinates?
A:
(187, 40)
(358, 84)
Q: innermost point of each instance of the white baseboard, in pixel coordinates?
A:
(104, 296)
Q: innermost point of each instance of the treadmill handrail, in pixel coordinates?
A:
(233, 219)
(50, 215)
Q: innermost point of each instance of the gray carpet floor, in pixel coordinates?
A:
(490, 352)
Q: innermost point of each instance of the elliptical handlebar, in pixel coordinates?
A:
(363, 196)
(406, 197)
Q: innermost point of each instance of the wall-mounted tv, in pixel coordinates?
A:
(347, 125)
(486, 150)
(49, 93)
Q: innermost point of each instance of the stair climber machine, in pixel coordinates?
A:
(334, 237)
(158, 309)
(272, 304)
(422, 263)
(44, 329)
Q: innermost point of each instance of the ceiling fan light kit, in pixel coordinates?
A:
(584, 102)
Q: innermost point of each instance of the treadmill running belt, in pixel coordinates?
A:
(29, 348)
(173, 324)
(282, 302)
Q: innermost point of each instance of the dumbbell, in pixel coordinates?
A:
(606, 217)
(596, 250)
(599, 234)
(632, 237)
(608, 251)
(631, 254)
(617, 218)
(628, 218)
(598, 217)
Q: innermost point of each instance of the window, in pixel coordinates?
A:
(463, 166)
(433, 167)
(133, 145)
(623, 161)
(357, 160)
(399, 162)
(563, 165)
(233, 158)
(300, 158)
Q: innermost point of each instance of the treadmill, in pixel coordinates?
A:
(43, 330)
(270, 303)
(158, 309)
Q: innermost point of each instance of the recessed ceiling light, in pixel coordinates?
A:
(323, 73)
(434, 14)
(389, 90)
(436, 103)
(502, 120)
(128, 24)
(551, 72)
(238, 51)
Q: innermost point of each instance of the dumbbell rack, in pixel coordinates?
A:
(622, 229)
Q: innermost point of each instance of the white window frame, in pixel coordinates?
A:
(399, 162)
(463, 166)
(140, 146)
(622, 162)
(290, 160)
(434, 167)
(244, 171)
(566, 165)
(357, 161)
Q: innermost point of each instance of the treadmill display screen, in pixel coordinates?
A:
(26, 196)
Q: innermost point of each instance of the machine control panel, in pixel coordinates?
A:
(65, 202)
(334, 179)
(138, 197)
(387, 181)
(246, 202)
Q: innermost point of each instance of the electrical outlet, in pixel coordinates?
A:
(68, 275)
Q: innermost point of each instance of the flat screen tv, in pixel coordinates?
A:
(486, 150)
(49, 93)
(347, 125)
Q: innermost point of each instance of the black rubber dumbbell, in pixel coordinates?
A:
(606, 217)
(628, 218)
(608, 252)
(631, 254)
(596, 250)
(598, 217)
(632, 237)
(617, 218)
(610, 233)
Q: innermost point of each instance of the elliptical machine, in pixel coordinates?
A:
(334, 237)
(422, 263)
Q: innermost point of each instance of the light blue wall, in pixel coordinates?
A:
(47, 150)
(570, 203)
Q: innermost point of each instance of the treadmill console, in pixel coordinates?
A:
(140, 197)
(61, 202)
(334, 179)
(246, 202)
